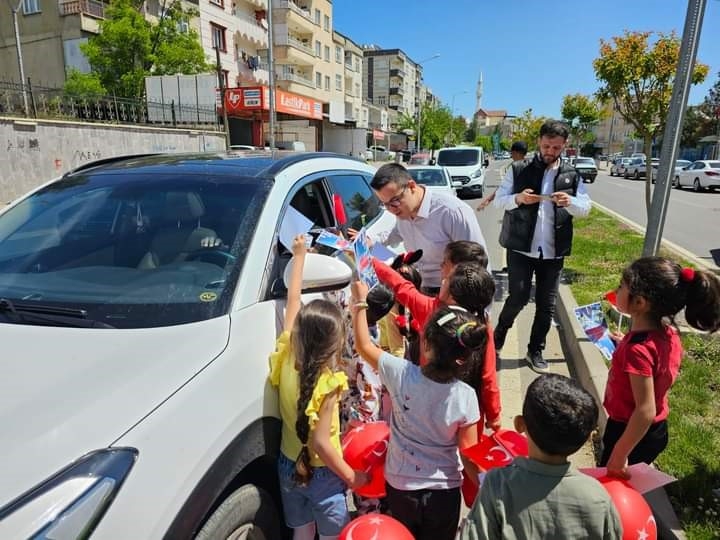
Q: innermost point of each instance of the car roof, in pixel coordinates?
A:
(261, 164)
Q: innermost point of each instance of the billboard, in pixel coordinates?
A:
(186, 99)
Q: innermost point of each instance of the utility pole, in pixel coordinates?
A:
(271, 78)
(18, 48)
(221, 82)
(673, 126)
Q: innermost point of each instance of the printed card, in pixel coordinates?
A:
(593, 322)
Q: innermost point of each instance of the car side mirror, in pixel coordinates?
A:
(431, 161)
(320, 273)
(486, 163)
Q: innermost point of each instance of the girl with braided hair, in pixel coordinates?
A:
(433, 414)
(647, 359)
(313, 475)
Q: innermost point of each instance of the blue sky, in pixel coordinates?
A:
(531, 54)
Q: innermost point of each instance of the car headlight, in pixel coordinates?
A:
(70, 503)
(477, 174)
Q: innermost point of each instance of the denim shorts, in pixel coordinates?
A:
(323, 500)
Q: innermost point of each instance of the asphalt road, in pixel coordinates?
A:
(692, 222)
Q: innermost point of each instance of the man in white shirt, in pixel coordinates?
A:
(540, 197)
(425, 220)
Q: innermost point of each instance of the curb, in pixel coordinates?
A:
(589, 368)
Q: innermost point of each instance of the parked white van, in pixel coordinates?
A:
(466, 165)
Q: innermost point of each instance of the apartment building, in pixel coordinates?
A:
(613, 134)
(392, 79)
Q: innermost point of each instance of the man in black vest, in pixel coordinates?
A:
(540, 196)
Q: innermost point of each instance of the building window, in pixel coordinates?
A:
(326, 23)
(218, 37)
(31, 6)
(318, 49)
(327, 53)
(225, 76)
(183, 27)
(381, 100)
(338, 54)
(357, 90)
(327, 83)
(318, 80)
(338, 83)
(317, 17)
(358, 65)
(218, 3)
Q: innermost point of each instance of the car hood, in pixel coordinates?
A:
(67, 391)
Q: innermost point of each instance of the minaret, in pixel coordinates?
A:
(478, 94)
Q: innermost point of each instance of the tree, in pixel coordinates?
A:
(695, 126)
(435, 124)
(581, 112)
(129, 48)
(638, 76)
(526, 127)
(80, 84)
(485, 141)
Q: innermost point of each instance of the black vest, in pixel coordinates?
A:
(518, 225)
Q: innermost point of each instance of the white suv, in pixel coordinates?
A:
(140, 298)
(466, 165)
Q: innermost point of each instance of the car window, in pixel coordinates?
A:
(428, 177)
(714, 164)
(359, 201)
(311, 202)
(458, 158)
(128, 248)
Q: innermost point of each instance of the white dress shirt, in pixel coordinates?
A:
(441, 219)
(544, 237)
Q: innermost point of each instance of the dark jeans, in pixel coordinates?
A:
(547, 278)
(429, 514)
(649, 447)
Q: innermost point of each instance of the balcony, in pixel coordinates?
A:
(250, 30)
(293, 50)
(399, 73)
(93, 8)
(397, 91)
(294, 14)
(285, 74)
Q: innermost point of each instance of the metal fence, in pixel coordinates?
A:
(55, 103)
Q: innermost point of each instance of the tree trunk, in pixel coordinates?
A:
(647, 148)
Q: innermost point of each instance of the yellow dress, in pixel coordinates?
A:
(285, 377)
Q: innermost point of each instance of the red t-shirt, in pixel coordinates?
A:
(656, 354)
(422, 307)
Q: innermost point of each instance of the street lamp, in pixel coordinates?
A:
(419, 140)
(452, 112)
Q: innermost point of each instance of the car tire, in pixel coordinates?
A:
(248, 512)
(636, 176)
(676, 183)
(696, 186)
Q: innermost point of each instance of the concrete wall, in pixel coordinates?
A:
(35, 151)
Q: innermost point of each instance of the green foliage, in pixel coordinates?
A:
(129, 48)
(80, 84)
(526, 127)
(436, 123)
(638, 76)
(695, 126)
(485, 141)
(581, 112)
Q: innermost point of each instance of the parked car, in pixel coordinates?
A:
(140, 298)
(434, 177)
(380, 153)
(466, 165)
(420, 158)
(632, 169)
(701, 175)
(586, 167)
(680, 164)
(618, 166)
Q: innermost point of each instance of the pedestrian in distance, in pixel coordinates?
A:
(544, 495)
(425, 220)
(433, 414)
(518, 150)
(646, 361)
(540, 198)
(313, 475)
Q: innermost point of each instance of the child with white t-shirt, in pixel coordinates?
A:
(433, 414)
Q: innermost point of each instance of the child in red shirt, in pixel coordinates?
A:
(647, 360)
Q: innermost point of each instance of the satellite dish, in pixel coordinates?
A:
(263, 23)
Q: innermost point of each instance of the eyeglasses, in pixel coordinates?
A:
(396, 200)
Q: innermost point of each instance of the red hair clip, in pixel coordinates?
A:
(687, 275)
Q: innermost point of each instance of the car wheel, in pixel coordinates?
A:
(247, 514)
(626, 175)
(676, 183)
(636, 176)
(696, 186)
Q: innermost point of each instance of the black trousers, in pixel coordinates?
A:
(547, 278)
(649, 447)
(429, 514)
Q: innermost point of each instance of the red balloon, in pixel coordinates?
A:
(375, 527)
(637, 519)
(364, 449)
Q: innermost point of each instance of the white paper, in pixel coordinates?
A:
(643, 477)
(293, 223)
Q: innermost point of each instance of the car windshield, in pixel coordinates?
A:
(458, 158)
(428, 177)
(132, 250)
(682, 163)
(584, 161)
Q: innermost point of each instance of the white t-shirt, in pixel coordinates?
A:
(424, 423)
